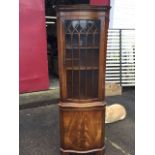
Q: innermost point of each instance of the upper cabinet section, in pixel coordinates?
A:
(82, 46)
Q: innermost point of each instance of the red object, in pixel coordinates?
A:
(100, 2)
(33, 65)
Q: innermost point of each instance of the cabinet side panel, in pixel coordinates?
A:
(60, 41)
(102, 61)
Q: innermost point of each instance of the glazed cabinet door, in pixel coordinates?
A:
(83, 58)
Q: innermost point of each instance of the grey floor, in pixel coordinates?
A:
(39, 130)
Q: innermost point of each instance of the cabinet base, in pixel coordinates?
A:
(82, 128)
(68, 152)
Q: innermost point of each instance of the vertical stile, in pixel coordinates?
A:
(86, 63)
(79, 58)
(93, 64)
(72, 61)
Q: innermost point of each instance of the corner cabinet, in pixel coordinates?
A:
(82, 43)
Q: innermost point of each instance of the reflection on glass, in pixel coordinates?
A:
(75, 23)
(75, 40)
(68, 40)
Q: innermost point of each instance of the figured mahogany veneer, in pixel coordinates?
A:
(82, 126)
(82, 39)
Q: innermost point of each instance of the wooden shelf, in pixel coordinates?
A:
(74, 59)
(88, 103)
(88, 48)
(82, 68)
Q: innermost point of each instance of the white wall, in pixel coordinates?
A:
(122, 14)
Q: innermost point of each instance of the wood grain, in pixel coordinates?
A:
(82, 43)
(82, 128)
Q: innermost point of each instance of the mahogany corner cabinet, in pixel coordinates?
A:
(82, 43)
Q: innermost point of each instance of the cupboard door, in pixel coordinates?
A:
(82, 128)
(81, 56)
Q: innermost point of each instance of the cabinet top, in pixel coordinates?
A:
(81, 7)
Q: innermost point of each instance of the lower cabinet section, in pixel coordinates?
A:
(82, 128)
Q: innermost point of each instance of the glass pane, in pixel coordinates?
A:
(75, 53)
(69, 63)
(82, 84)
(90, 40)
(75, 40)
(75, 84)
(82, 58)
(97, 39)
(89, 84)
(68, 40)
(69, 83)
(68, 54)
(95, 58)
(83, 40)
(95, 85)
